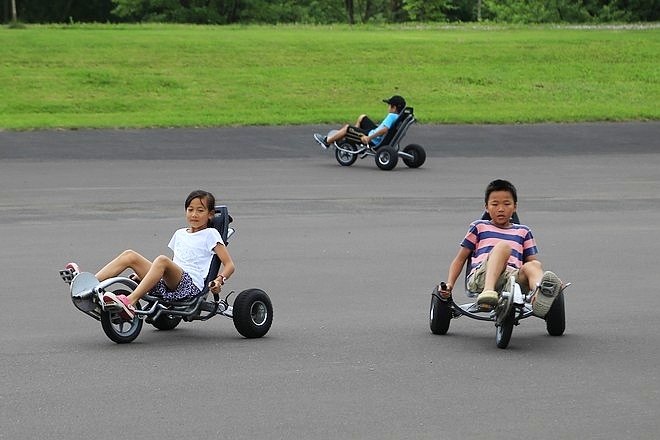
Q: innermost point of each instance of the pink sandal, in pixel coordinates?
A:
(127, 310)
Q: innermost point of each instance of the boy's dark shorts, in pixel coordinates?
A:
(355, 133)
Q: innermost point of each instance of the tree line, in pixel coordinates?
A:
(329, 11)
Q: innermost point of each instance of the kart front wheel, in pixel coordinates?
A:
(555, 319)
(117, 328)
(440, 315)
(345, 158)
(253, 313)
(418, 156)
(504, 330)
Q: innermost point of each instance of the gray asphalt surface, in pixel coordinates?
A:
(348, 256)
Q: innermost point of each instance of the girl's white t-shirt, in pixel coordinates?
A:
(193, 252)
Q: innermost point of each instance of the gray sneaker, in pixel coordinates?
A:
(322, 140)
(546, 293)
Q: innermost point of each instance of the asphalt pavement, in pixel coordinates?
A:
(349, 256)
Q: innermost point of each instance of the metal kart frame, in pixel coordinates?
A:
(388, 152)
(251, 312)
(512, 307)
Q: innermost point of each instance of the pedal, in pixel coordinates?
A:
(214, 307)
(67, 275)
(485, 308)
(109, 306)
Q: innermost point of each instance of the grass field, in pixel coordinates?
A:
(168, 75)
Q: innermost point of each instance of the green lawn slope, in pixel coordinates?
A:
(188, 76)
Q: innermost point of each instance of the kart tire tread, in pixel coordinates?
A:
(252, 313)
(555, 319)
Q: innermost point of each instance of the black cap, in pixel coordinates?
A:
(397, 101)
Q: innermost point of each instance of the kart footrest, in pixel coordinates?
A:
(67, 275)
(111, 306)
(214, 307)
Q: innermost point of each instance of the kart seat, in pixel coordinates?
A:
(399, 128)
(221, 222)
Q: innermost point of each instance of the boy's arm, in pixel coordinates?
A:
(382, 131)
(455, 269)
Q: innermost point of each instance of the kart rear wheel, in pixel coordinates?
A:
(504, 331)
(166, 322)
(346, 159)
(386, 158)
(253, 313)
(555, 319)
(117, 328)
(440, 315)
(418, 156)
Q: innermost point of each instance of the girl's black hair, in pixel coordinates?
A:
(501, 185)
(208, 200)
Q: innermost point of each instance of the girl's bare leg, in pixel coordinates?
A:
(161, 268)
(127, 259)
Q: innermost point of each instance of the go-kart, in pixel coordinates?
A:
(387, 153)
(512, 307)
(251, 312)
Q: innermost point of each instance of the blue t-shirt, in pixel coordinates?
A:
(389, 120)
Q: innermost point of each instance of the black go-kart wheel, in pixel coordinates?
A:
(344, 158)
(555, 319)
(440, 314)
(504, 330)
(117, 328)
(386, 158)
(166, 322)
(418, 156)
(253, 313)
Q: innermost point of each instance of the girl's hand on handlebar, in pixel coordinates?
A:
(216, 285)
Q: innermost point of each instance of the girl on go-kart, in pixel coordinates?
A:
(182, 276)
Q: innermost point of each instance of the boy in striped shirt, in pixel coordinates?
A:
(499, 249)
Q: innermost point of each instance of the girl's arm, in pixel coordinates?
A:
(227, 266)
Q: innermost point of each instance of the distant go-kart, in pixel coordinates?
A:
(251, 312)
(387, 153)
(512, 307)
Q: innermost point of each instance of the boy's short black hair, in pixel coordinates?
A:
(501, 185)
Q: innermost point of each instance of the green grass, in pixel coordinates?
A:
(168, 75)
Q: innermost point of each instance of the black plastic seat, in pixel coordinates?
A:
(399, 128)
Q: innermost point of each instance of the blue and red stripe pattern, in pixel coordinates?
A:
(483, 235)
